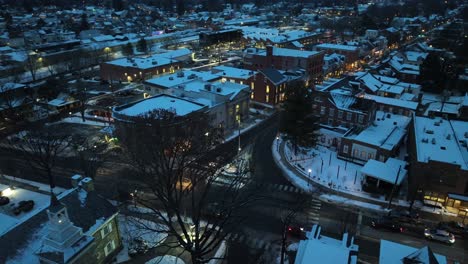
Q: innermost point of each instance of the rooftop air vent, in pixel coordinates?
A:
(433, 141)
(425, 140)
(180, 74)
(443, 148)
(208, 87)
(172, 101)
(431, 132)
(436, 123)
(154, 62)
(394, 123)
(449, 137)
(218, 90)
(171, 78)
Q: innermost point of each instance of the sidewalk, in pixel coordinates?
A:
(329, 193)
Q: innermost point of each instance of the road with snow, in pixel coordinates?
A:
(260, 235)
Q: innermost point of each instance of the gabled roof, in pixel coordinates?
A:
(273, 75)
(421, 256)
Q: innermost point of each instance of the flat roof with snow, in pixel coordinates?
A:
(325, 250)
(336, 47)
(440, 140)
(180, 106)
(387, 171)
(182, 77)
(233, 72)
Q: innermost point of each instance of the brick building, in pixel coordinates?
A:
(439, 159)
(351, 53)
(286, 60)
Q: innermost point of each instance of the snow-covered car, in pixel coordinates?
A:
(456, 228)
(439, 235)
(23, 206)
(404, 216)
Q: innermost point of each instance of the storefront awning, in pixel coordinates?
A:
(459, 197)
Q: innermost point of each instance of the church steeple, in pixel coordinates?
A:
(62, 233)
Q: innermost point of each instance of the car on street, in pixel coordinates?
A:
(439, 235)
(404, 216)
(296, 231)
(456, 228)
(388, 224)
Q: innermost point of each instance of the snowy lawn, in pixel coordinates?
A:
(131, 227)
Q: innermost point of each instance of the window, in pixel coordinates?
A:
(322, 110)
(109, 248)
(106, 230)
(267, 98)
(345, 149)
(363, 154)
(356, 153)
(370, 156)
(252, 86)
(331, 112)
(348, 116)
(252, 96)
(361, 118)
(241, 82)
(340, 114)
(267, 89)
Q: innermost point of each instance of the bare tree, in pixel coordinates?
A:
(90, 156)
(174, 158)
(41, 148)
(32, 64)
(82, 96)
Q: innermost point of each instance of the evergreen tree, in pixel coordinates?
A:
(180, 7)
(432, 74)
(84, 25)
(127, 50)
(142, 46)
(296, 122)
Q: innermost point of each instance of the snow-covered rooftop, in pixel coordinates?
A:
(386, 171)
(394, 253)
(180, 106)
(282, 52)
(392, 101)
(233, 72)
(440, 140)
(336, 47)
(152, 61)
(325, 249)
(386, 132)
(182, 77)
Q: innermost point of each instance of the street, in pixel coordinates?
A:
(259, 236)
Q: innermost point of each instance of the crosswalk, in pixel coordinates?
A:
(313, 212)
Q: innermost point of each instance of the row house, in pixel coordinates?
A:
(351, 53)
(341, 108)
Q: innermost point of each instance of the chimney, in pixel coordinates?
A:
(75, 180)
(269, 51)
(87, 184)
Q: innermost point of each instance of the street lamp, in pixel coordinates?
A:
(277, 143)
(308, 179)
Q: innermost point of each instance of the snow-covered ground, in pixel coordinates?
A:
(244, 129)
(167, 259)
(79, 120)
(132, 227)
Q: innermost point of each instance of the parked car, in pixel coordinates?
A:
(456, 228)
(296, 231)
(389, 224)
(404, 216)
(137, 246)
(4, 200)
(439, 235)
(23, 206)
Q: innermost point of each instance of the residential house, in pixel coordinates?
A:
(74, 226)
